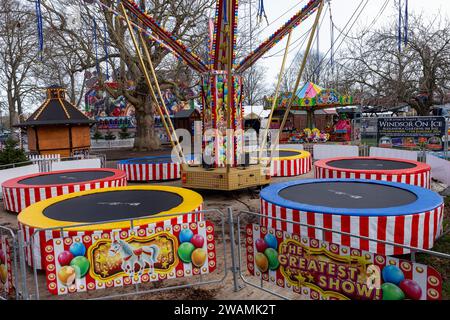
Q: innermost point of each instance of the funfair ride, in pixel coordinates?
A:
(222, 116)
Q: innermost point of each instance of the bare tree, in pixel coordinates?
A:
(418, 75)
(18, 56)
(187, 20)
(312, 72)
(254, 85)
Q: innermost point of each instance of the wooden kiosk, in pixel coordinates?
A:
(58, 127)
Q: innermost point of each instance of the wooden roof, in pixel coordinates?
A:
(56, 110)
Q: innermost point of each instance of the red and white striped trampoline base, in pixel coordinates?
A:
(291, 167)
(41, 238)
(416, 226)
(53, 218)
(419, 230)
(17, 195)
(154, 171)
(419, 174)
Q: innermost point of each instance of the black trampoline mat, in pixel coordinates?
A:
(114, 205)
(351, 195)
(162, 159)
(66, 178)
(371, 164)
(284, 154)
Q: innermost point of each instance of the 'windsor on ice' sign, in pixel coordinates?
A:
(414, 132)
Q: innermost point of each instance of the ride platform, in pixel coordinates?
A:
(197, 177)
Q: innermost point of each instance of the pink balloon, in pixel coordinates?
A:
(198, 241)
(64, 258)
(261, 245)
(411, 289)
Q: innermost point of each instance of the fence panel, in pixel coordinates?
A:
(334, 151)
(180, 252)
(77, 164)
(9, 288)
(394, 153)
(440, 169)
(12, 173)
(112, 144)
(292, 265)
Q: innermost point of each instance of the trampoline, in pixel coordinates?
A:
(161, 168)
(88, 211)
(290, 163)
(386, 211)
(375, 168)
(20, 193)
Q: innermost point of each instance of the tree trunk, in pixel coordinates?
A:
(310, 122)
(146, 138)
(13, 115)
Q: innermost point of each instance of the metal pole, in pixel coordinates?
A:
(230, 84)
(147, 76)
(22, 264)
(302, 69)
(169, 121)
(234, 267)
(447, 120)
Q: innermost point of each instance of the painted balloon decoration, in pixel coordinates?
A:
(396, 287)
(267, 257)
(74, 264)
(3, 268)
(191, 249)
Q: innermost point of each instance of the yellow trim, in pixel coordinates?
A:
(33, 216)
(42, 109)
(301, 155)
(64, 107)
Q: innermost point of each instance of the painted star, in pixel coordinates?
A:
(301, 279)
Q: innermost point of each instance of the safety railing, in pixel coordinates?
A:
(35, 290)
(9, 276)
(242, 271)
(30, 283)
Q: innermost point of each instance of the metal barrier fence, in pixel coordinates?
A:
(9, 284)
(234, 258)
(31, 286)
(281, 293)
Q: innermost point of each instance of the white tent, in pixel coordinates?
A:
(257, 110)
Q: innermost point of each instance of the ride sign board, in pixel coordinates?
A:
(414, 132)
(319, 270)
(92, 261)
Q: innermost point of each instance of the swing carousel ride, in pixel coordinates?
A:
(222, 97)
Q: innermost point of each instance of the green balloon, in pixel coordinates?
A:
(185, 252)
(81, 266)
(392, 292)
(272, 256)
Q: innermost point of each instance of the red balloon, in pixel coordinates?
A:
(198, 241)
(261, 245)
(64, 258)
(411, 289)
(2, 256)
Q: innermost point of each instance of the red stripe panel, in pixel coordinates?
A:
(401, 234)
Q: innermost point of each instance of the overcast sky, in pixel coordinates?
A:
(342, 10)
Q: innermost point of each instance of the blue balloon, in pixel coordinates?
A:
(271, 241)
(186, 235)
(77, 249)
(393, 274)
